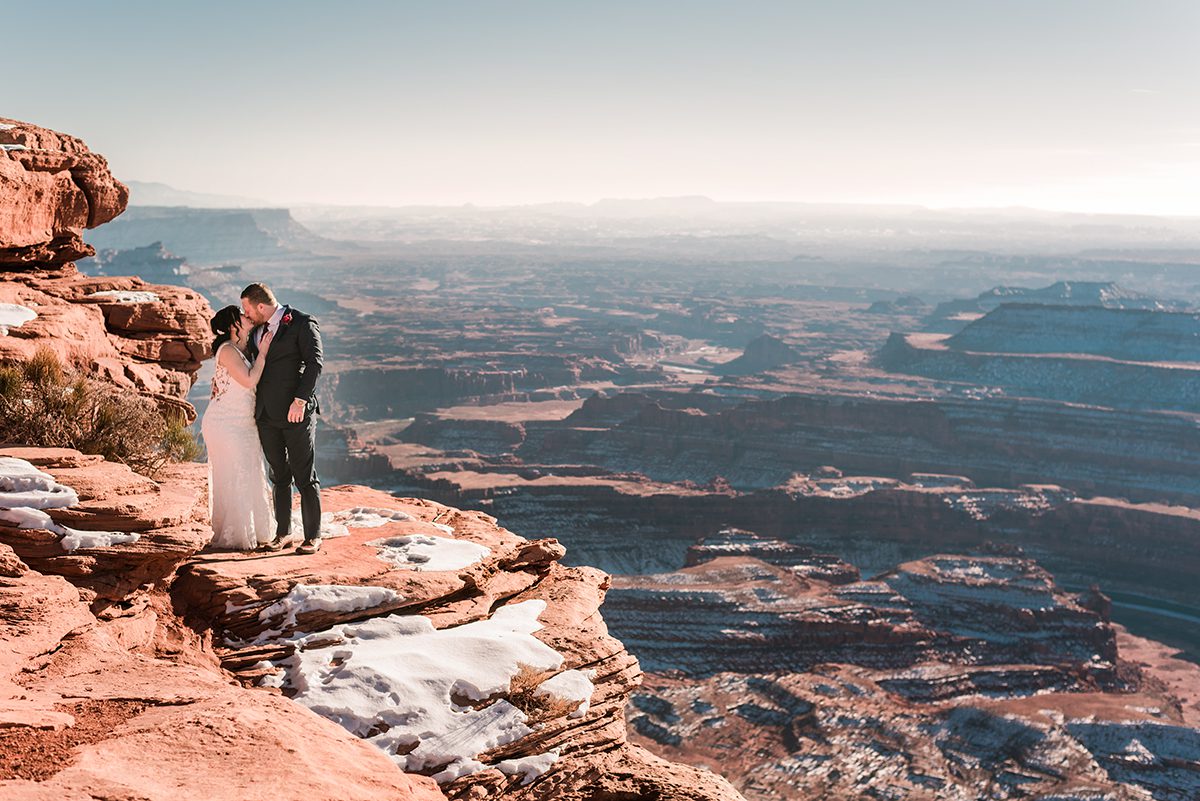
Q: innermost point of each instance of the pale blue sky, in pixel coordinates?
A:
(1080, 104)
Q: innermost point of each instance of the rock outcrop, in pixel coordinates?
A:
(53, 188)
(98, 672)
(763, 353)
(89, 689)
(249, 602)
(143, 337)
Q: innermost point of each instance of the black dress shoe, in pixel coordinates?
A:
(310, 546)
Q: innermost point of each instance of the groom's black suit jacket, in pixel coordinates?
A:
(292, 368)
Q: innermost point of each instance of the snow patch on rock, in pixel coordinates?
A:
(570, 685)
(410, 689)
(14, 316)
(326, 598)
(25, 494)
(126, 296)
(429, 553)
(530, 767)
(75, 538)
(367, 517)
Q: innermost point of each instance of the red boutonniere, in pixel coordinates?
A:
(287, 318)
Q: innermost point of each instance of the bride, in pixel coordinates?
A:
(238, 496)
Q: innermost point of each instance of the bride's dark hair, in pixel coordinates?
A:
(222, 325)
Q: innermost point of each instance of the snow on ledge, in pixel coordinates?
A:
(570, 685)
(410, 689)
(94, 539)
(367, 517)
(425, 552)
(126, 296)
(326, 598)
(14, 316)
(25, 494)
(529, 767)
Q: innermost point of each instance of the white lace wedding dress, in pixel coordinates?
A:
(239, 500)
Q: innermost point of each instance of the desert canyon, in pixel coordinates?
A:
(639, 500)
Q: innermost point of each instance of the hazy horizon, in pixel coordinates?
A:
(239, 201)
(1074, 105)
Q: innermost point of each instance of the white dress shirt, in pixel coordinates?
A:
(272, 324)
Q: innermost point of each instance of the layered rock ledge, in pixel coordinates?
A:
(97, 672)
(150, 665)
(53, 188)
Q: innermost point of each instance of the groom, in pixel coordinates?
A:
(285, 409)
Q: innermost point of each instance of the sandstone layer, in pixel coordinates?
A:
(53, 188)
(138, 336)
(236, 596)
(99, 673)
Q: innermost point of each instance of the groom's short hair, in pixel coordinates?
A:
(259, 293)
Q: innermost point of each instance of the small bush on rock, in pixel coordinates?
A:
(522, 693)
(44, 403)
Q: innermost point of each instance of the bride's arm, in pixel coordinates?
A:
(232, 362)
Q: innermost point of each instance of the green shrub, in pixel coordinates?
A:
(178, 441)
(46, 404)
(12, 382)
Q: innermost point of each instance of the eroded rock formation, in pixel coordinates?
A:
(138, 336)
(53, 187)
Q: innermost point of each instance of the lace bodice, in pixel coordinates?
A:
(225, 389)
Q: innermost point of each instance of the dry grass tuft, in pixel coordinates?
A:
(522, 693)
(47, 404)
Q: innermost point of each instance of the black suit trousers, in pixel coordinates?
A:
(290, 452)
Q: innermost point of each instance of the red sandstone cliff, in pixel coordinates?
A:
(143, 337)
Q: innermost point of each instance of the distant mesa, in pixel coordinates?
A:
(1106, 294)
(210, 237)
(150, 193)
(1074, 293)
(1132, 334)
(1121, 358)
(905, 304)
(763, 353)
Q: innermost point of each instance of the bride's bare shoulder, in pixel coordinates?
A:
(227, 354)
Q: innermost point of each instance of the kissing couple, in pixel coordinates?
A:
(263, 405)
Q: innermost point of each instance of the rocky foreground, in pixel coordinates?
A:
(170, 654)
